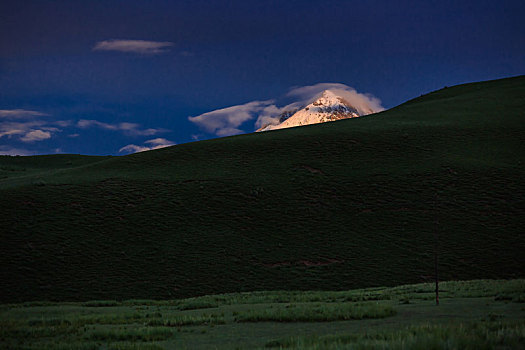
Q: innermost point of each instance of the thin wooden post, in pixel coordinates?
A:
(436, 243)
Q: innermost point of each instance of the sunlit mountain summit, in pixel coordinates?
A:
(326, 108)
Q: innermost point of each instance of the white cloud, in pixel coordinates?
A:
(134, 46)
(49, 128)
(10, 128)
(153, 144)
(134, 149)
(20, 125)
(84, 123)
(272, 113)
(20, 114)
(10, 151)
(27, 126)
(226, 121)
(364, 103)
(159, 141)
(36, 135)
(63, 123)
(132, 129)
(304, 95)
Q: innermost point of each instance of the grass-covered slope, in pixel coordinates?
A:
(341, 205)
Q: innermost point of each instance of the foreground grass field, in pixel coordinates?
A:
(337, 206)
(481, 314)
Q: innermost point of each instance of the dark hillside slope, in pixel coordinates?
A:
(24, 170)
(341, 205)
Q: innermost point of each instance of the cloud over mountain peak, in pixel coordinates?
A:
(228, 121)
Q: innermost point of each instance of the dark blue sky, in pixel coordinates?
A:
(60, 92)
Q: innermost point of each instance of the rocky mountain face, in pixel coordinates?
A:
(327, 108)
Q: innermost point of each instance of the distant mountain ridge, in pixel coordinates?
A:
(329, 107)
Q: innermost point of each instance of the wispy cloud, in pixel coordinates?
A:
(11, 128)
(364, 103)
(159, 142)
(36, 135)
(30, 126)
(28, 131)
(20, 114)
(132, 129)
(27, 125)
(304, 95)
(133, 46)
(148, 146)
(227, 121)
(11, 151)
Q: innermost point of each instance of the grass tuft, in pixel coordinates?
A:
(187, 320)
(101, 303)
(130, 334)
(474, 335)
(317, 313)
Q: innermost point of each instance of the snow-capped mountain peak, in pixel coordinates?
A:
(328, 98)
(328, 107)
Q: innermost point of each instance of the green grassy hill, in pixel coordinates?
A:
(341, 205)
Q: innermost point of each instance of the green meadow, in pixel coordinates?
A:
(474, 314)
